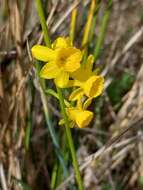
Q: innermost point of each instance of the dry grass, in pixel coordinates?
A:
(110, 151)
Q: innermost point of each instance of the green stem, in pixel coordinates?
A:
(102, 32)
(43, 22)
(70, 141)
(54, 175)
(28, 131)
(42, 89)
(98, 2)
(68, 132)
(29, 119)
(49, 123)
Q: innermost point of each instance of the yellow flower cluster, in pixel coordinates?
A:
(63, 64)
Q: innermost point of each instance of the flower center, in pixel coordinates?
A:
(61, 60)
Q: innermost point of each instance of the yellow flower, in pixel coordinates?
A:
(62, 60)
(81, 117)
(79, 114)
(62, 43)
(88, 82)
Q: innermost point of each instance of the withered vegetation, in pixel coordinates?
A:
(110, 151)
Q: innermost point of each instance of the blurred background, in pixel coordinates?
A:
(110, 150)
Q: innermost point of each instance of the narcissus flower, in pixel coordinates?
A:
(62, 59)
(81, 117)
(88, 82)
(62, 43)
(79, 114)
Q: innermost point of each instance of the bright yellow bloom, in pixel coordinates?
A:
(89, 84)
(79, 114)
(62, 43)
(81, 117)
(43, 53)
(62, 60)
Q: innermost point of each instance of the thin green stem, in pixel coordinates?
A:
(43, 22)
(68, 132)
(29, 118)
(49, 124)
(93, 25)
(73, 24)
(28, 131)
(70, 141)
(102, 32)
(42, 87)
(54, 175)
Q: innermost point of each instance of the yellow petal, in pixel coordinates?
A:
(79, 74)
(83, 118)
(73, 61)
(70, 83)
(79, 103)
(87, 103)
(69, 58)
(62, 79)
(62, 42)
(93, 87)
(50, 71)
(72, 112)
(89, 64)
(43, 53)
(85, 71)
(76, 94)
